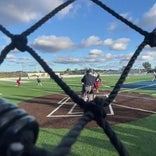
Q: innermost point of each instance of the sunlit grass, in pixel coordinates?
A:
(138, 137)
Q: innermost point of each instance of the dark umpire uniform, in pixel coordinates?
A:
(88, 81)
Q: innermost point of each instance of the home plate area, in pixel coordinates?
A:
(59, 111)
(71, 109)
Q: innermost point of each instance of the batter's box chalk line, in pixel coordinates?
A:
(72, 111)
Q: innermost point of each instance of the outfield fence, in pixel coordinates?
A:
(19, 131)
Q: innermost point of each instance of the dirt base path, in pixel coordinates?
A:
(58, 111)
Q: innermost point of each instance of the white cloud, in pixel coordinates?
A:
(24, 11)
(94, 58)
(112, 27)
(67, 60)
(10, 57)
(108, 42)
(53, 43)
(92, 40)
(149, 56)
(95, 52)
(97, 58)
(148, 48)
(124, 58)
(15, 59)
(149, 17)
(127, 16)
(116, 61)
(21, 60)
(119, 44)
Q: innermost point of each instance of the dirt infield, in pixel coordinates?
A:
(59, 111)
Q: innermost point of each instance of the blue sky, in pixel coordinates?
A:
(82, 35)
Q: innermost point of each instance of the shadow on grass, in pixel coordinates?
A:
(82, 144)
(138, 138)
(6, 98)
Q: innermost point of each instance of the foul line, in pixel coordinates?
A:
(143, 110)
(132, 96)
(65, 99)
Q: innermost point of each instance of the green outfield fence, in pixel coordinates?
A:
(19, 130)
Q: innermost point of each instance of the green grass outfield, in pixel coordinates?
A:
(139, 137)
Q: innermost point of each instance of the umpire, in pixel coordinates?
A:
(88, 81)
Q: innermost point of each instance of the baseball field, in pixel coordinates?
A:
(132, 115)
